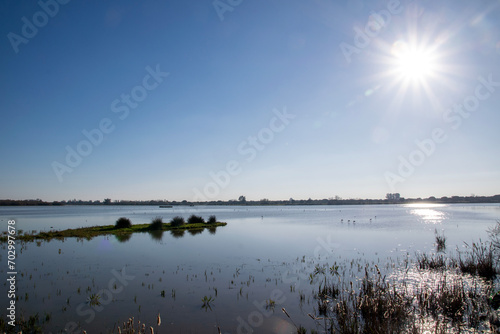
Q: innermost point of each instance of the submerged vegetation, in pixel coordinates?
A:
(448, 295)
(440, 241)
(132, 326)
(479, 260)
(380, 305)
(122, 229)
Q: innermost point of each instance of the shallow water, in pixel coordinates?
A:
(263, 253)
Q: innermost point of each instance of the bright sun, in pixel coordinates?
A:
(412, 63)
(413, 69)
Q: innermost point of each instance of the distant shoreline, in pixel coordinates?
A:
(266, 202)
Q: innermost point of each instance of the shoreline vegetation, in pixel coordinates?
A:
(123, 227)
(435, 293)
(390, 199)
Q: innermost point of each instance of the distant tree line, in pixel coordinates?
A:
(27, 202)
(390, 199)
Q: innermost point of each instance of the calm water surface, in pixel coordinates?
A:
(263, 253)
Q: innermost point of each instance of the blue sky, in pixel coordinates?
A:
(267, 99)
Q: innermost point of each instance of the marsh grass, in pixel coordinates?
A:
(156, 224)
(376, 307)
(177, 221)
(131, 326)
(207, 303)
(94, 299)
(123, 222)
(478, 260)
(440, 241)
(33, 324)
(431, 262)
(193, 219)
(442, 297)
(379, 305)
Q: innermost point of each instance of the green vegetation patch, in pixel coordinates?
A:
(91, 232)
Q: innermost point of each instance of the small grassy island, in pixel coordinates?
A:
(123, 227)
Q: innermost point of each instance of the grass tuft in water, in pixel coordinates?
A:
(177, 221)
(440, 241)
(94, 299)
(123, 222)
(156, 224)
(479, 260)
(431, 262)
(193, 219)
(207, 303)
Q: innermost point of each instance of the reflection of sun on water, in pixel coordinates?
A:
(427, 212)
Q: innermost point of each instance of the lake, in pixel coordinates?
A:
(264, 253)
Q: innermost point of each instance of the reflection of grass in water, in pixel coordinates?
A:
(156, 235)
(195, 231)
(207, 303)
(123, 237)
(94, 299)
(177, 233)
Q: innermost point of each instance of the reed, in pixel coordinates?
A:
(378, 305)
(431, 262)
(478, 260)
(440, 241)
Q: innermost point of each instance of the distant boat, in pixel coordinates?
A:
(166, 206)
